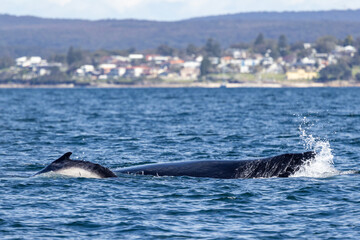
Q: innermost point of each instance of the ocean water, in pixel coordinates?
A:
(126, 127)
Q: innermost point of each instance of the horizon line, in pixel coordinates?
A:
(179, 20)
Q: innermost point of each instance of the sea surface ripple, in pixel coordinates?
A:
(125, 127)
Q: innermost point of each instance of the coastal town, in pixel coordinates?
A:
(263, 61)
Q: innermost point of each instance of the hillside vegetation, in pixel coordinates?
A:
(26, 35)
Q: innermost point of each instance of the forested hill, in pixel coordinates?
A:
(26, 35)
(334, 15)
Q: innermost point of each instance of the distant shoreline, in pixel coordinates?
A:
(195, 85)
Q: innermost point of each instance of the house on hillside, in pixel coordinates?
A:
(226, 60)
(85, 70)
(137, 71)
(289, 60)
(105, 68)
(117, 59)
(157, 59)
(190, 70)
(136, 56)
(301, 74)
(117, 72)
(176, 61)
(214, 60)
(341, 51)
(274, 68)
(30, 62)
(199, 58)
(189, 73)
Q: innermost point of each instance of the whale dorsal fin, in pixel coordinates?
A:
(64, 157)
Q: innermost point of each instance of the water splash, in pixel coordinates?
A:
(322, 165)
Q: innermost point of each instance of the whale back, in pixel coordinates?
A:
(279, 166)
(77, 168)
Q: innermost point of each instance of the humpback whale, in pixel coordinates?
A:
(279, 166)
(77, 168)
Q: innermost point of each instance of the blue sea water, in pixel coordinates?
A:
(126, 127)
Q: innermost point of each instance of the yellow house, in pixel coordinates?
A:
(300, 74)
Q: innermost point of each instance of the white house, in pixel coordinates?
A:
(307, 45)
(85, 69)
(34, 61)
(118, 58)
(214, 60)
(240, 53)
(106, 67)
(199, 58)
(20, 61)
(274, 68)
(189, 73)
(308, 61)
(157, 58)
(191, 64)
(347, 51)
(136, 56)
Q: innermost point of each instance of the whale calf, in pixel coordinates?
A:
(76, 168)
(279, 166)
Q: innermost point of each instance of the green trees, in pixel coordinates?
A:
(6, 62)
(273, 47)
(212, 48)
(277, 48)
(77, 57)
(191, 49)
(205, 66)
(165, 50)
(260, 39)
(56, 76)
(357, 77)
(282, 45)
(73, 56)
(349, 40)
(355, 61)
(241, 45)
(325, 44)
(259, 44)
(61, 58)
(339, 71)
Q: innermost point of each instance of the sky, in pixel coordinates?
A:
(162, 10)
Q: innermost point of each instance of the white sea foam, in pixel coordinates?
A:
(322, 165)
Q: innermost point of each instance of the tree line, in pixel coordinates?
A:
(281, 47)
